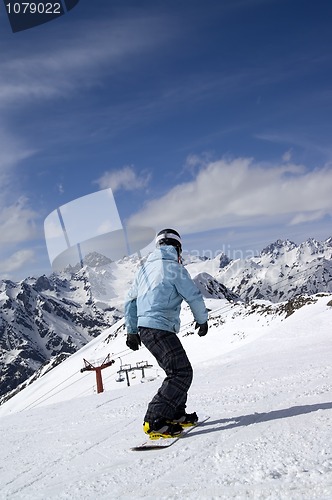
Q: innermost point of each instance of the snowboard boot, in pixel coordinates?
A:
(161, 428)
(186, 419)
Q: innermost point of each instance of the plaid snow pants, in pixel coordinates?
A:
(171, 397)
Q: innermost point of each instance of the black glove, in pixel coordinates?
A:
(133, 341)
(203, 329)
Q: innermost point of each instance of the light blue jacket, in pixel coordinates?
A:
(161, 284)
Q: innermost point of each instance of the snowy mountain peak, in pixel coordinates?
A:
(278, 247)
(224, 260)
(95, 259)
(43, 283)
(212, 289)
(328, 242)
(281, 271)
(309, 247)
(92, 259)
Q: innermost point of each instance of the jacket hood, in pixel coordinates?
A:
(166, 252)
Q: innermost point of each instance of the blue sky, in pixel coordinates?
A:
(210, 117)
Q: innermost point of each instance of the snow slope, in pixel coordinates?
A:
(264, 379)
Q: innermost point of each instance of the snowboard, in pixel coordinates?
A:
(161, 443)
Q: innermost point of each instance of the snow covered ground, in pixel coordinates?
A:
(265, 380)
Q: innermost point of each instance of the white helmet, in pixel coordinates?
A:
(169, 237)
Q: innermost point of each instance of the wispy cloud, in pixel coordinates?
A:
(303, 140)
(16, 261)
(12, 151)
(233, 193)
(17, 218)
(78, 59)
(125, 178)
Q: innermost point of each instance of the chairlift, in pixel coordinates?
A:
(119, 379)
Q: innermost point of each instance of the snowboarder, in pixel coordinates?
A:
(152, 316)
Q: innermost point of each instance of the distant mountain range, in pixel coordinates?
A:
(44, 320)
(281, 271)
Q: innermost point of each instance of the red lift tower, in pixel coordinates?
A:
(90, 367)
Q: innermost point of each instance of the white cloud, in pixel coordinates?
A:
(307, 217)
(16, 261)
(287, 156)
(234, 193)
(125, 178)
(17, 222)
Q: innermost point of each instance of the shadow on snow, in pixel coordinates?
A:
(254, 418)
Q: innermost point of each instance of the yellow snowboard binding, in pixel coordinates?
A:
(161, 428)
